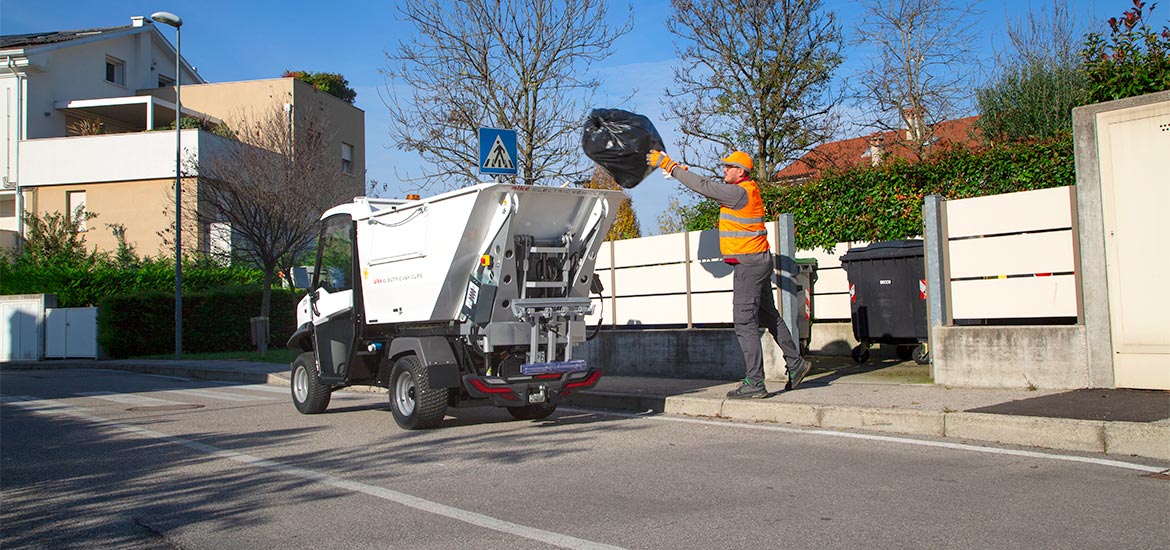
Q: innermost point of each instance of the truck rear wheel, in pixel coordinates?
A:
(532, 412)
(309, 395)
(414, 404)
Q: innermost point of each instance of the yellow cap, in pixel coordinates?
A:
(739, 159)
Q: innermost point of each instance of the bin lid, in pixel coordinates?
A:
(885, 249)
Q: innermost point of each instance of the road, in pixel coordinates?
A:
(105, 459)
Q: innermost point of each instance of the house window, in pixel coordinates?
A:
(75, 200)
(115, 71)
(8, 207)
(165, 81)
(347, 158)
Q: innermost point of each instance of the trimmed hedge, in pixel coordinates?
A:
(215, 320)
(84, 285)
(885, 202)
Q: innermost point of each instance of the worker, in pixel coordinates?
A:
(743, 242)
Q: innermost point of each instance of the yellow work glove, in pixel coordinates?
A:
(660, 160)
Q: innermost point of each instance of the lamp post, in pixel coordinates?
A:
(173, 20)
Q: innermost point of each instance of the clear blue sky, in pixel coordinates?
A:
(249, 40)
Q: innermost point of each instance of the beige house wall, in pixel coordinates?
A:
(144, 208)
(234, 102)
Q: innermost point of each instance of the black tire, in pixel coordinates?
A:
(905, 353)
(309, 395)
(860, 354)
(415, 405)
(536, 411)
(922, 354)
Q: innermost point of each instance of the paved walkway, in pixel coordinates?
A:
(890, 397)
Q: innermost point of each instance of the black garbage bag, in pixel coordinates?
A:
(619, 141)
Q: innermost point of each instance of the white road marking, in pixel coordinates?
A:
(221, 395)
(886, 438)
(128, 398)
(48, 406)
(283, 390)
(34, 404)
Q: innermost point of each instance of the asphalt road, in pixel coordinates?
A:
(104, 459)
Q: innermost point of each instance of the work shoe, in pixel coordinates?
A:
(795, 377)
(746, 391)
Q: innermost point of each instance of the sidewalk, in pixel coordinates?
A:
(888, 397)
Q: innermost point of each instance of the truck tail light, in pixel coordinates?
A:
(502, 391)
(589, 381)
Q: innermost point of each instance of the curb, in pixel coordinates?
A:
(1150, 440)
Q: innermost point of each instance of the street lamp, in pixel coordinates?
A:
(173, 20)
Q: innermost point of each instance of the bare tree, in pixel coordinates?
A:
(920, 66)
(516, 64)
(271, 185)
(755, 76)
(1037, 79)
(1052, 35)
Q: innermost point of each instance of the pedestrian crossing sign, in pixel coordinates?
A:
(497, 151)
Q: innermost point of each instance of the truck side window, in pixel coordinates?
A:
(335, 267)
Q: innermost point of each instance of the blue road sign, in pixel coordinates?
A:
(497, 151)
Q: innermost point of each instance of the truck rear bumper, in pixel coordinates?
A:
(518, 391)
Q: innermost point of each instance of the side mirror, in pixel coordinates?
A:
(300, 278)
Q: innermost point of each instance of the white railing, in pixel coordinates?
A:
(1010, 256)
(680, 279)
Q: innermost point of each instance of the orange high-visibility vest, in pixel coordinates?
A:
(743, 231)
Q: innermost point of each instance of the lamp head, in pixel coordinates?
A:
(167, 18)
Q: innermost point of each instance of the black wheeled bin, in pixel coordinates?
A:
(887, 295)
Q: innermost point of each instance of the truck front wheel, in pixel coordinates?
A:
(309, 395)
(414, 404)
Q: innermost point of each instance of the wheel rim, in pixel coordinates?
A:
(404, 393)
(301, 384)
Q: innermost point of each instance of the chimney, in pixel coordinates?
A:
(137, 21)
(877, 149)
(915, 125)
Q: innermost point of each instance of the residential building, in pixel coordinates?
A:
(873, 149)
(86, 119)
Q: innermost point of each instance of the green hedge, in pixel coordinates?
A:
(86, 285)
(213, 321)
(885, 202)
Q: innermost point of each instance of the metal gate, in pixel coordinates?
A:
(71, 332)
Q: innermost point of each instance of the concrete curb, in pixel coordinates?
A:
(1151, 440)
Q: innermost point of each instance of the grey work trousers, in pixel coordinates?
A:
(754, 305)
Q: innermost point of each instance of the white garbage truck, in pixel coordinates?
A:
(471, 297)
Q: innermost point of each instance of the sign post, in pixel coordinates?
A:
(497, 152)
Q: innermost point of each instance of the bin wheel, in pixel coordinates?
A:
(922, 354)
(905, 353)
(860, 354)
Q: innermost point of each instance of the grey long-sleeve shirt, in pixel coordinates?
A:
(731, 196)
